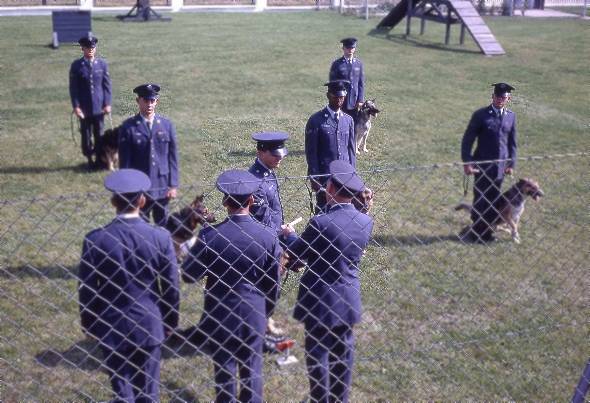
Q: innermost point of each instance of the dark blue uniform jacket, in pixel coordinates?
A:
(128, 283)
(327, 140)
(496, 140)
(333, 244)
(267, 207)
(90, 86)
(240, 259)
(353, 72)
(154, 152)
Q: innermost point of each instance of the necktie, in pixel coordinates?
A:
(149, 125)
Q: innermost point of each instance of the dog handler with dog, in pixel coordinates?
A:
(493, 128)
(90, 93)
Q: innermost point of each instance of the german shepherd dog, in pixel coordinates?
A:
(510, 206)
(362, 126)
(107, 153)
(183, 224)
(363, 200)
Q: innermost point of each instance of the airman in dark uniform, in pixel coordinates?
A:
(267, 207)
(128, 293)
(240, 259)
(147, 142)
(329, 136)
(329, 299)
(493, 128)
(90, 93)
(350, 69)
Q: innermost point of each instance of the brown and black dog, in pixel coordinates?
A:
(107, 152)
(183, 224)
(510, 206)
(362, 125)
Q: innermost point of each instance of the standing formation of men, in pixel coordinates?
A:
(147, 142)
(493, 128)
(129, 292)
(90, 93)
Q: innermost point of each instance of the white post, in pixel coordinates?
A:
(366, 9)
(260, 5)
(177, 5)
(86, 4)
(334, 4)
(585, 8)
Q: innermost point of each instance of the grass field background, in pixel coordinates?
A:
(442, 320)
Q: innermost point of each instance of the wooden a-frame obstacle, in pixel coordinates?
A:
(448, 12)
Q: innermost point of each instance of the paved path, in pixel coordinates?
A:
(46, 10)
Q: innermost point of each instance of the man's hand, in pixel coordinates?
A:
(171, 193)
(469, 169)
(509, 171)
(107, 109)
(78, 112)
(359, 105)
(287, 229)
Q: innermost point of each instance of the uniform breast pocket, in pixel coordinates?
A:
(162, 137)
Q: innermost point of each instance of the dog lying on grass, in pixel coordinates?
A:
(362, 126)
(510, 206)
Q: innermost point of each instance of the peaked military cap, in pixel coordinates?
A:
(342, 173)
(337, 87)
(127, 181)
(271, 141)
(501, 89)
(148, 91)
(88, 41)
(237, 182)
(349, 42)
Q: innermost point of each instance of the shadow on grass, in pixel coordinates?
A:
(402, 39)
(47, 272)
(252, 153)
(415, 240)
(27, 170)
(86, 354)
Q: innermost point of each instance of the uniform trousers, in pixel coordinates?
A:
(486, 191)
(158, 209)
(247, 362)
(134, 373)
(329, 359)
(91, 126)
(583, 386)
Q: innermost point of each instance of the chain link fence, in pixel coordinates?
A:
(441, 318)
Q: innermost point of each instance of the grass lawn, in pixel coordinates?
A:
(442, 320)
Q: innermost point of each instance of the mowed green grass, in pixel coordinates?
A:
(442, 320)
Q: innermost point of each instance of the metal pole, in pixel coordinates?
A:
(366, 9)
(409, 17)
(585, 8)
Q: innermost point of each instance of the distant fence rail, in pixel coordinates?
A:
(441, 318)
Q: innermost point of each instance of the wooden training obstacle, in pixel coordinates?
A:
(448, 12)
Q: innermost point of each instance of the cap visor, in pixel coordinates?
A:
(280, 152)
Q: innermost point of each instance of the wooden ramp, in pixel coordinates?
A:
(447, 12)
(476, 26)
